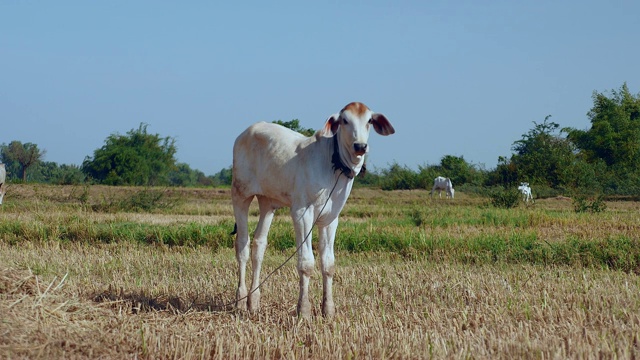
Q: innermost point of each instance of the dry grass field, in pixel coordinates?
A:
(86, 274)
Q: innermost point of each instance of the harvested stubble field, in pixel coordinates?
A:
(103, 272)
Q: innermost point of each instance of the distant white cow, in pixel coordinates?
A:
(313, 176)
(3, 178)
(441, 183)
(525, 189)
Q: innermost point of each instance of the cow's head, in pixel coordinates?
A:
(351, 127)
(451, 192)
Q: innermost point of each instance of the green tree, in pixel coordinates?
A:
(223, 177)
(68, 175)
(51, 173)
(542, 155)
(183, 175)
(295, 126)
(19, 157)
(612, 144)
(137, 158)
(460, 171)
(505, 174)
(586, 178)
(614, 135)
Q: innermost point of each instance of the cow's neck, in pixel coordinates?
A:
(338, 164)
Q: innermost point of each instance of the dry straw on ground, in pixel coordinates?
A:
(65, 299)
(157, 304)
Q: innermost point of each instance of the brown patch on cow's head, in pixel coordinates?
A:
(356, 108)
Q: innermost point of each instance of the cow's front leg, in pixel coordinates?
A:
(303, 221)
(326, 237)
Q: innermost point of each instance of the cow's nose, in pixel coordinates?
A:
(360, 148)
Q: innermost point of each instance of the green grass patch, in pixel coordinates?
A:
(404, 223)
(191, 234)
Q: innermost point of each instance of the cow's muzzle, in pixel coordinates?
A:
(360, 148)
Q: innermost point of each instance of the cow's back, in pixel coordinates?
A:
(265, 161)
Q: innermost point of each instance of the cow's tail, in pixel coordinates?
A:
(235, 229)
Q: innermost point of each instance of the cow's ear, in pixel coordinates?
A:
(331, 126)
(381, 125)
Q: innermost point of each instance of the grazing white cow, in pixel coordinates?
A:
(3, 185)
(284, 168)
(441, 183)
(525, 189)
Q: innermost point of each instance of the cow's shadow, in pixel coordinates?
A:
(139, 301)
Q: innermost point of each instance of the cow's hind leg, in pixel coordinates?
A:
(241, 213)
(257, 249)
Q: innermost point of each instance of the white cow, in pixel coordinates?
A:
(441, 183)
(525, 189)
(284, 168)
(3, 185)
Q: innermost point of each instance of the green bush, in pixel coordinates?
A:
(594, 205)
(505, 198)
(146, 200)
(399, 178)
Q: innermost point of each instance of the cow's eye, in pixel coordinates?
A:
(344, 121)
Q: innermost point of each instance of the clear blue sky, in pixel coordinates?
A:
(464, 78)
